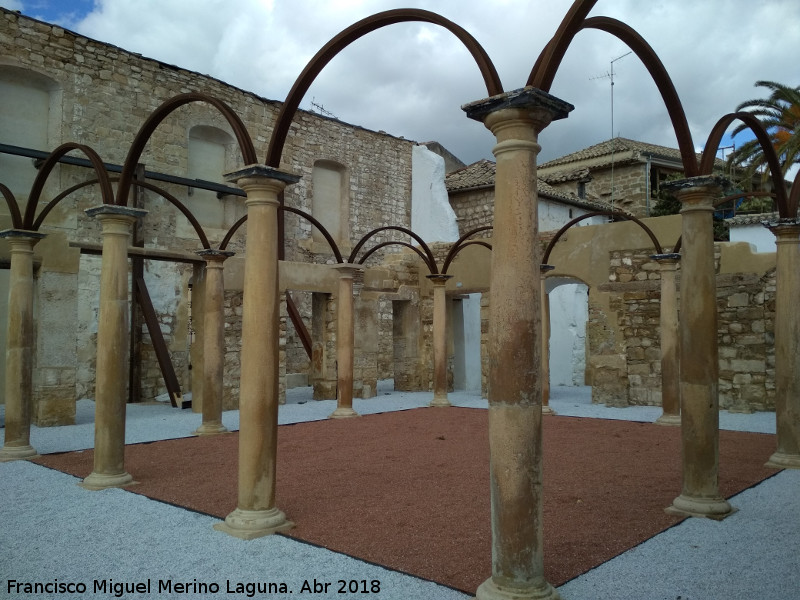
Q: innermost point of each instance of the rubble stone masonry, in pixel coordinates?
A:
(746, 306)
(100, 95)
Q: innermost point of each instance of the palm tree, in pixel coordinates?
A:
(780, 116)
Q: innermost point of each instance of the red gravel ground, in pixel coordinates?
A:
(409, 489)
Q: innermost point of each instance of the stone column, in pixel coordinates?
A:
(19, 347)
(213, 341)
(198, 290)
(699, 362)
(345, 342)
(787, 344)
(514, 345)
(670, 345)
(439, 340)
(256, 514)
(112, 346)
(546, 409)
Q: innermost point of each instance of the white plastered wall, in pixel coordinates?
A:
(432, 217)
(761, 238)
(472, 342)
(569, 311)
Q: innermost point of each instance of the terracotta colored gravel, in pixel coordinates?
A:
(409, 489)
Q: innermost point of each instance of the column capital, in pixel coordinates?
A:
(261, 183)
(669, 259)
(527, 99)
(252, 174)
(544, 269)
(212, 255)
(786, 230)
(127, 213)
(439, 278)
(697, 193)
(700, 181)
(22, 234)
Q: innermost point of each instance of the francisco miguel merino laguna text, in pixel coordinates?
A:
(162, 586)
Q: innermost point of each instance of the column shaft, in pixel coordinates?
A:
(515, 385)
(345, 344)
(439, 340)
(198, 326)
(515, 345)
(787, 347)
(546, 409)
(699, 362)
(19, 349)
(213, 343)
(670, 343)
(112, 346)
(256, 514)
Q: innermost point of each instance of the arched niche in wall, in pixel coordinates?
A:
(208, 159)
(30, 118)
(330, 202)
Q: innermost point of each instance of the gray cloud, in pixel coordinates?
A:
(411, 79)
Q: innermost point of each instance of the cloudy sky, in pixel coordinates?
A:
(411, 79)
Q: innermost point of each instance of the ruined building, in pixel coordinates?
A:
(58, 86)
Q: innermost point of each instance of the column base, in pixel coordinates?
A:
(779, 460)
(99, 481)
(9, 453)
(547, 410)
(669, 420)
(213, 428)
(441, 401)
(343, 413)
(712, 508)
(252, 524)
(541, 590)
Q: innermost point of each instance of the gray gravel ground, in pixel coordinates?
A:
(51, 529)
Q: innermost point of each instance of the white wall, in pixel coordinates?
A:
(472, 341)
(554, 215)
(756, 235)
(432, 217)
(569, 311)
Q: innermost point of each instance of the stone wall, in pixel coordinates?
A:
(746, 309)
(473, 208)
(629, 182)
(100, 96)
(745, 313)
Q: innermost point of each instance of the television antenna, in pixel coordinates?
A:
(610, 75)
(321, 109)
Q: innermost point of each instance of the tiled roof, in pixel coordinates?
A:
(631, 148)
(481, 174)
(564, 176)
(756, 219)
(478, 174)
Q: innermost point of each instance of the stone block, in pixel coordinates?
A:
(653, 354)
(744, 366)
(738, 299)
(54, 406)
(324, 390)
